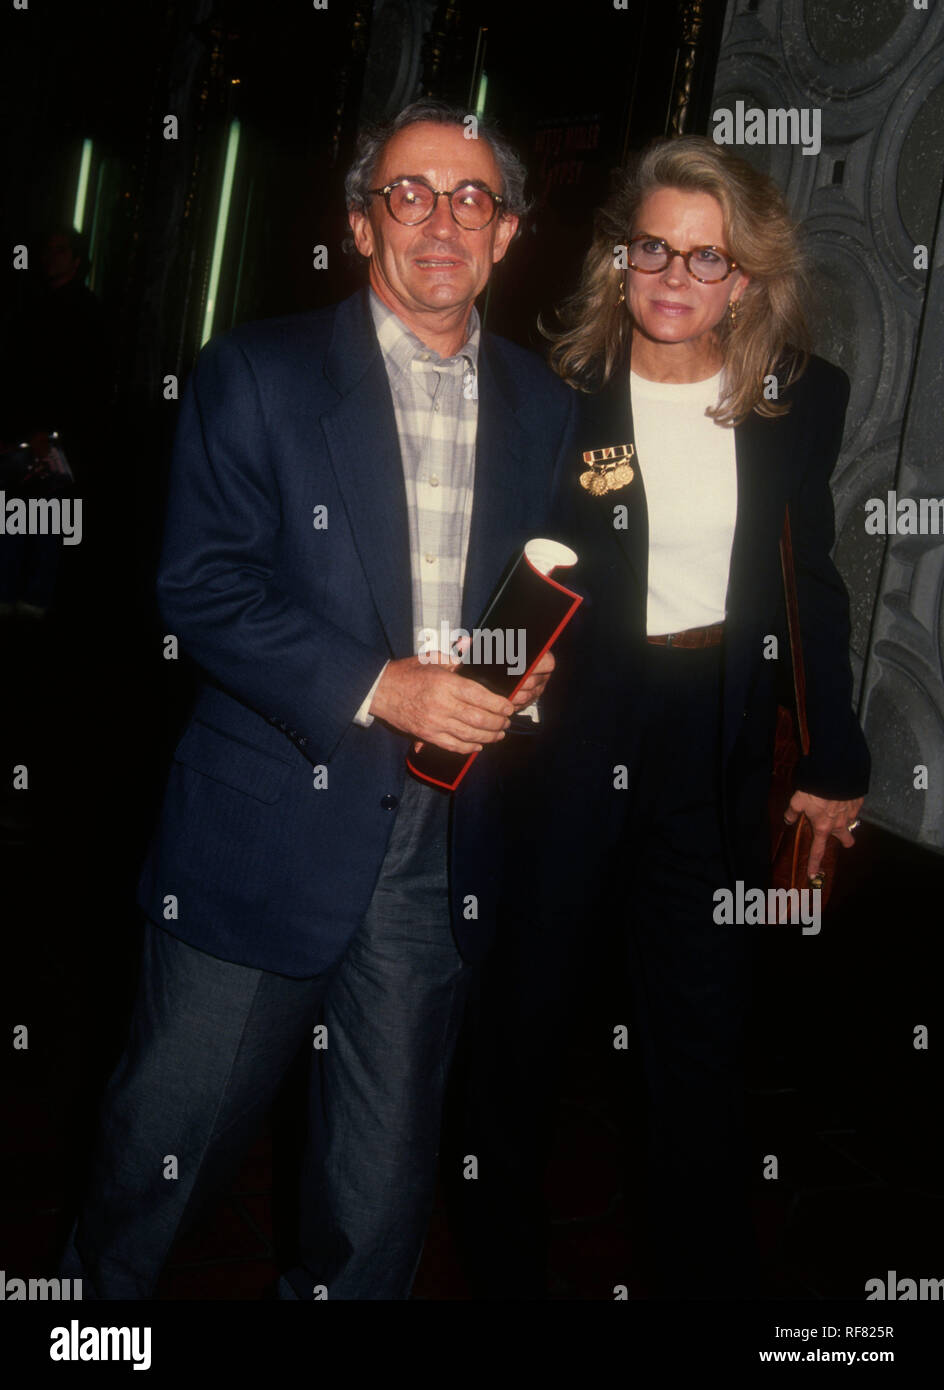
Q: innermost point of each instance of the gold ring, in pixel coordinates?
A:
(853, 825)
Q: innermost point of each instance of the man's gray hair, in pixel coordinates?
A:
(372, 139)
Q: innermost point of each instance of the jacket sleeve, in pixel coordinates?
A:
(215, 580)
(838, 763)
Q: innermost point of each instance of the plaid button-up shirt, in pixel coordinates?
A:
(435, 401)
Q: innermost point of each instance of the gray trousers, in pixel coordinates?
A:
(210, 1043)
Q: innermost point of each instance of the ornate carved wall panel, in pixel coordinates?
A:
(868, 198)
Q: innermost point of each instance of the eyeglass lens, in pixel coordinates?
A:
(472, 207)
(703, 262)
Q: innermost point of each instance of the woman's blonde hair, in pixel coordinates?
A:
(771, 335)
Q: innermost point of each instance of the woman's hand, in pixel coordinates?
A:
(827, 818)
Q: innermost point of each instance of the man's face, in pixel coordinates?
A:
(437, 268)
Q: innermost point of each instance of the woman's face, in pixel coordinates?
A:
(671, 306)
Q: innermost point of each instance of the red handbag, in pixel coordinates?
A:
(790, 844)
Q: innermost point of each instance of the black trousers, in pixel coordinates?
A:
(644, 862)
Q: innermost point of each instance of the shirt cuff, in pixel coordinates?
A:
(362, 717)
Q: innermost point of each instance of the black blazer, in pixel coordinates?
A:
(781, 461)
(255, 858)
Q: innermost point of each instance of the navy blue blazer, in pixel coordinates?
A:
(783, 460)
(278, 808)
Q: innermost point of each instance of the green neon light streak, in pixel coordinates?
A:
(81, 192)
(226, 193)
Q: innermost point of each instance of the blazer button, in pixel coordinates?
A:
(389, 802)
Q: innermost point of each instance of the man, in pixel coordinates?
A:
(342, 481)
(55, 365)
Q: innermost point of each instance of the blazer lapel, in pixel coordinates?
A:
(361, 434)
(752, 466)
(502, 485)
(609, 422)
(763, 456)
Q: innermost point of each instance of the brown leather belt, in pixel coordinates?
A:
(691, 637)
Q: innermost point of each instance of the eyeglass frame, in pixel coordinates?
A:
(673, 251)
(438, 193)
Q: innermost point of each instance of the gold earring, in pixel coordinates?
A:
(621, 299)
(733, 311)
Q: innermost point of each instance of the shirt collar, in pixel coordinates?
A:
(401, 347)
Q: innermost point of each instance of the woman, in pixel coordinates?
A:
(705, 418)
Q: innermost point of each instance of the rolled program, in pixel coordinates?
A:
(523, 621)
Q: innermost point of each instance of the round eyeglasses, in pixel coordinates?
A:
(707, 264)
(413, 200)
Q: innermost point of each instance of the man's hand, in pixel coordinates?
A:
(427, 700)
(827, 818)
(533, 687)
